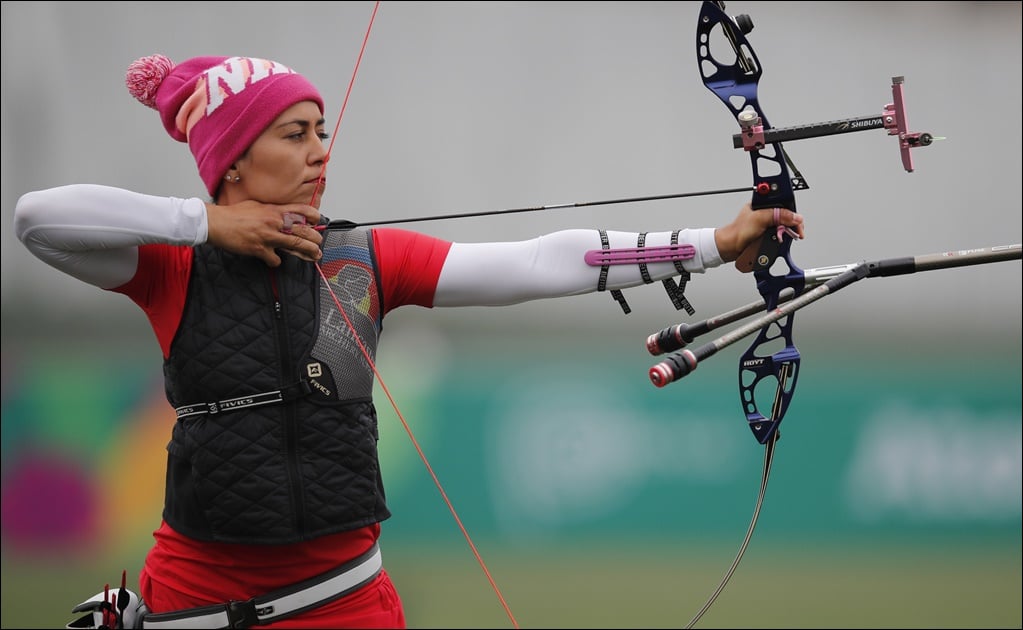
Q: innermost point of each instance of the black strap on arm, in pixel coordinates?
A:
(643, 271)
(605, 244)
(676, 292)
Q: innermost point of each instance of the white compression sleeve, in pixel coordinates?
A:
(493, 274)
(93, 232)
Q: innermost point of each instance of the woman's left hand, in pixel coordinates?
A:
(739, 240)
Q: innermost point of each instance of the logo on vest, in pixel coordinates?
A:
(315, 370)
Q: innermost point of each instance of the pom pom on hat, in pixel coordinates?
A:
(218, 105)
(144, 77)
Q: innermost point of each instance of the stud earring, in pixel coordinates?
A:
(237, 178)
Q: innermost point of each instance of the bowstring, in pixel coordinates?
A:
(369, 359)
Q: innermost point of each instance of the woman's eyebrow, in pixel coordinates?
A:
(302, 123)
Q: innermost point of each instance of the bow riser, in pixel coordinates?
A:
(735, 84)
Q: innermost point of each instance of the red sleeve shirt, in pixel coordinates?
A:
(159, 287)
(409, 264)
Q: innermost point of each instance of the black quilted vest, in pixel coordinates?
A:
(276, 438)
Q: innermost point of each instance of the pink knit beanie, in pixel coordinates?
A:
(218, 105)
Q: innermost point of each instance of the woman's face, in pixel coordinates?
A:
(286, 161)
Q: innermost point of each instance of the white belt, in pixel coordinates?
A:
(279, 604)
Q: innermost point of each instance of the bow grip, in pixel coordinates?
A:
(760, 255)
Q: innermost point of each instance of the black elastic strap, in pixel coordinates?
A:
(602, 282)
(676, 292)
(643, 271)
(288, 392)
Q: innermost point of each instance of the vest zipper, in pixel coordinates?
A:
(290, 419)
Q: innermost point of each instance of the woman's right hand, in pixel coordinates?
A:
(250, 228)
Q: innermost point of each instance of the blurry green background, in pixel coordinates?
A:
(595, 499)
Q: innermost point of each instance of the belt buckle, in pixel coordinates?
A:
(241, 614)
